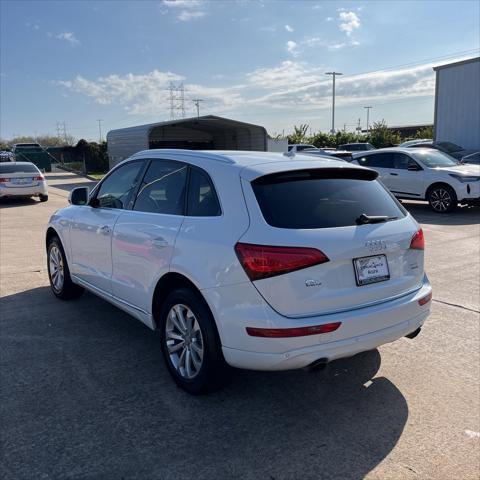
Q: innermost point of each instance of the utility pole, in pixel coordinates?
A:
(368, 117)
(99, 120)
(333, 74)
(197, 101)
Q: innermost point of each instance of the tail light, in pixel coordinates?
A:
(263, 261)
(39, 179)
(292, 332)
(424, 300)
(418, 241)
(3, 180)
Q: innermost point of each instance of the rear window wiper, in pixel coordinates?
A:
(364, 219)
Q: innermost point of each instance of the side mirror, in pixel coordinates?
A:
(414, 168)
(79, 196)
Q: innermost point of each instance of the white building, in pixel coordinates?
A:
(457, 103)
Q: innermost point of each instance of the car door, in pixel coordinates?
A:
(144, 237)
(410, 179)
(92, 226)
(383, 164)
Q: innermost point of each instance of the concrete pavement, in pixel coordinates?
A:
(85, 395)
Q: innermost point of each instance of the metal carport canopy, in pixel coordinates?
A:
(222, 133)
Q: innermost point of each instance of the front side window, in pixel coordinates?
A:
(202, 199)
(319, 199)
(377, 160)
(163, 188)
(402, 161)
(115, 191)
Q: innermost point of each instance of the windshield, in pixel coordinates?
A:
(448, 147)
(434, 158)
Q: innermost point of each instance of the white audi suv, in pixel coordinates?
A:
(245, 259)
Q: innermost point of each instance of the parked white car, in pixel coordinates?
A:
(245, 259)
(425, 174)
(22, 179)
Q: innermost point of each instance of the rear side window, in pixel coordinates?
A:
(202, 199)
(377, 160)
(14, 168)
(163, 188)
(310, 199)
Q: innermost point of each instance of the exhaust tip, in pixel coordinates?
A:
(414, 333)
(318, 364)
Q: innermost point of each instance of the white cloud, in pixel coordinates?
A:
(67, 37)
(329, 19)
(186, 15)
(288, 28)
(292, 48)
(182, 3)
(189, 9)
(145, 94)
(349, 22)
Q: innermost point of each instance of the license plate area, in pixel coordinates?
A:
(371, 269)
(21, 181)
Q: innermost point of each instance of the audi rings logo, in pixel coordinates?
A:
(376, 246)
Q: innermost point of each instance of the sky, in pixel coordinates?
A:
(261, 62)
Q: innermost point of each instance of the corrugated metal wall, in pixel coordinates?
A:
(457, 108)
(124, 142)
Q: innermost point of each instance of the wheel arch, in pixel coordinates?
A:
(51, 232)
(438, 184)
(170, 282)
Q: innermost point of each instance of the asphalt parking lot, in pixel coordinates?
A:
(85, 395)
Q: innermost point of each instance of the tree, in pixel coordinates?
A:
(381, 136)
(425, 132)
(299, 134)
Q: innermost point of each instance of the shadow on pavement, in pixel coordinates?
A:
(17, 202)
(85, 394)
(463, 215)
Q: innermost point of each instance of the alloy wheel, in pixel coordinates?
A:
(184, 341)
(57, 274)
(440, 199)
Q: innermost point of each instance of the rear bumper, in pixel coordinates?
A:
(40, 189)
(361, 329)
(300, 358)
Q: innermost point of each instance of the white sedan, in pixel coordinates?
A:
(22, 179)
(425, 174)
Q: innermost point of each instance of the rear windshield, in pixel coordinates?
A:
(15, 168)
(318, 199)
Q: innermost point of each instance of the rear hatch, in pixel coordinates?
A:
(362, 236)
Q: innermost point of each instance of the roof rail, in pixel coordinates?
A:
(184, 152)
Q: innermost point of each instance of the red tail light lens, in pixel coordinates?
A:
(424, 300)
(263, 261)
(39, 179)
(292, 332)
(418, 241)
(3, 180)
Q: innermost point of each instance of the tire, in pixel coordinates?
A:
(442, 198)
(59, 273)
(43, 198)
(193, 354)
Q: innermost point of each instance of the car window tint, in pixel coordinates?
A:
(163, 188)
(115, 190)
(403, 161)
(377, 160)
(202, 199)
(18, 168)
(308, 199)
